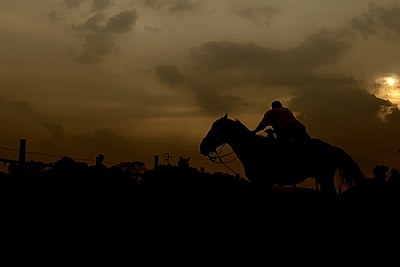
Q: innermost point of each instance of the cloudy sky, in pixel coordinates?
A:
(136, 78)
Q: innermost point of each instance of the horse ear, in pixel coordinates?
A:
(226, 116)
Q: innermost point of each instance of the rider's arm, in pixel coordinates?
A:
(264, 122)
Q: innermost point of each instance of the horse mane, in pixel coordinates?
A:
(236, 126)
(241, 125)
(242, 129)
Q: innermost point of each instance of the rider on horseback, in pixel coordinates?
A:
(285, 124)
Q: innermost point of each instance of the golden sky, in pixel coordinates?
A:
(136, 78)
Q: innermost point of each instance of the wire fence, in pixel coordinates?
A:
(51, 155)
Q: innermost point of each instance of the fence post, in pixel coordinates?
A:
(22, 152)
(156, 161)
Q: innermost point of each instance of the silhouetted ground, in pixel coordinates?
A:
(175, 203)
(172, 213)
(179, 190)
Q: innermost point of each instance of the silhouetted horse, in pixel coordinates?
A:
(268, 162)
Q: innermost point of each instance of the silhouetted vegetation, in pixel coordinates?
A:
(178, 186)
(179, 194)
(73, 201)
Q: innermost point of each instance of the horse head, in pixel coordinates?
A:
(215, 137)
(222, 132)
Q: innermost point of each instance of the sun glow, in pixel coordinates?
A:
(390, 81)
(388, 88)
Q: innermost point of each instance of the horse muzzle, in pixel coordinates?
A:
(206, 147)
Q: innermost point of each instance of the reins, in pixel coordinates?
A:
(218, 158)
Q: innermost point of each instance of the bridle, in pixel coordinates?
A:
(218, 158)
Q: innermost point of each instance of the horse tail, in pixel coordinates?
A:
(349, 171)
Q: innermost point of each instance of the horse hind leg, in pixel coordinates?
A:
(327, 185)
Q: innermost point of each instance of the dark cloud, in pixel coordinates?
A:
(166, 106)
(98, 23)
(183, 6)
(212, 102)
(122, 22)
(231, 64)
(93, 24)
(73, 3)
(341, 101)
(209, 96)
(224, 55)
(153, 4)
(99, 5)
(365, 24)
(317, 50)
(204, 91)
(221, 66)
(378, 21)
(169, 74)
(95, 48)
(99, 35)
(392, 125)
(259, 16)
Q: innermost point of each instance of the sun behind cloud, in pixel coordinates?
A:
(388, 88)
(390, 81)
